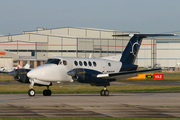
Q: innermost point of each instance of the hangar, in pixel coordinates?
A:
(36, 46)
(168, 51)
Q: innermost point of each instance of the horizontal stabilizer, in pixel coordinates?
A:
(144, 35)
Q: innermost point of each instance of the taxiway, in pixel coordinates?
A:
(156, 105)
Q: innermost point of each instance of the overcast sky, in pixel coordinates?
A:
(145, 16)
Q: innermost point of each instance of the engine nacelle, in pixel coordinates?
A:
(20, 75)
(88, 76)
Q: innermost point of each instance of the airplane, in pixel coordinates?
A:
(95, 71)
(9, 69)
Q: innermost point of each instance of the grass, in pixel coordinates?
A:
(23, 88)
(89, 118)
(6, 77)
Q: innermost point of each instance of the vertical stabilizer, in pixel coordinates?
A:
(130, 52)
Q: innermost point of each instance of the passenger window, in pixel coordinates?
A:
(76, 63)
(64, 62)
(109, 64)
(94, 63)
(85, 63)
(90, 64)
(80, 63)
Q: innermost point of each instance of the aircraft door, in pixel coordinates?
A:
(103, 67)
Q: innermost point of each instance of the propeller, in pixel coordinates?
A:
(20, 75)
(13, 73)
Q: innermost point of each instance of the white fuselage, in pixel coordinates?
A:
(56, 68)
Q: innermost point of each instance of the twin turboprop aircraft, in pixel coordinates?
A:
(95, 71)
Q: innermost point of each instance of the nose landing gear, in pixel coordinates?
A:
(31, 92)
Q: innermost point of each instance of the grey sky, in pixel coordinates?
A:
(145, 16)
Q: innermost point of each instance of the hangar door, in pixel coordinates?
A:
(6, 62)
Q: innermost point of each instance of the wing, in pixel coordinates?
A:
(6, 72)
(126, 74)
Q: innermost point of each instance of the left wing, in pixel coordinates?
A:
(125, 74)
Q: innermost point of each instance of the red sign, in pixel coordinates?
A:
(158, 76)
(2, 53)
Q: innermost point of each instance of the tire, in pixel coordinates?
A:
(106, 93)
(47, 92)
(102, 92)
(31, 92)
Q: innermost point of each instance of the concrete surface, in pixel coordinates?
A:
(156, 105)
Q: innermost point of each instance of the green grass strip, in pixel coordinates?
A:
(23, 88)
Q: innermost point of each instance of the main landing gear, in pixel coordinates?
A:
(47, 92)
(104, 92)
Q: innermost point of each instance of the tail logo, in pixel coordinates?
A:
(134, 48)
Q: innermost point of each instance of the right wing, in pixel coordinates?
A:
(125, 74)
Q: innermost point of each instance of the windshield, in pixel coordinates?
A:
(52, 61)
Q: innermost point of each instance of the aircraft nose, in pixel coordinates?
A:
(34, 73)
(43, 72)
(30, 74)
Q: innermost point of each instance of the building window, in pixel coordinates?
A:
(31, 64)
(38, 63)
(33, 53)
(24, 63)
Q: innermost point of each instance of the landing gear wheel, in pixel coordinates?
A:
(104, 93)
(31, 92)
(47, 92)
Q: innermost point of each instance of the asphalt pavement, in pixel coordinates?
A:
(150, 105)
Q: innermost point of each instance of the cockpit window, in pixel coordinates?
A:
(64, 62)
(52, 61)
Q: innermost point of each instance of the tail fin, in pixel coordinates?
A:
(130, 52)
(27, 66)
